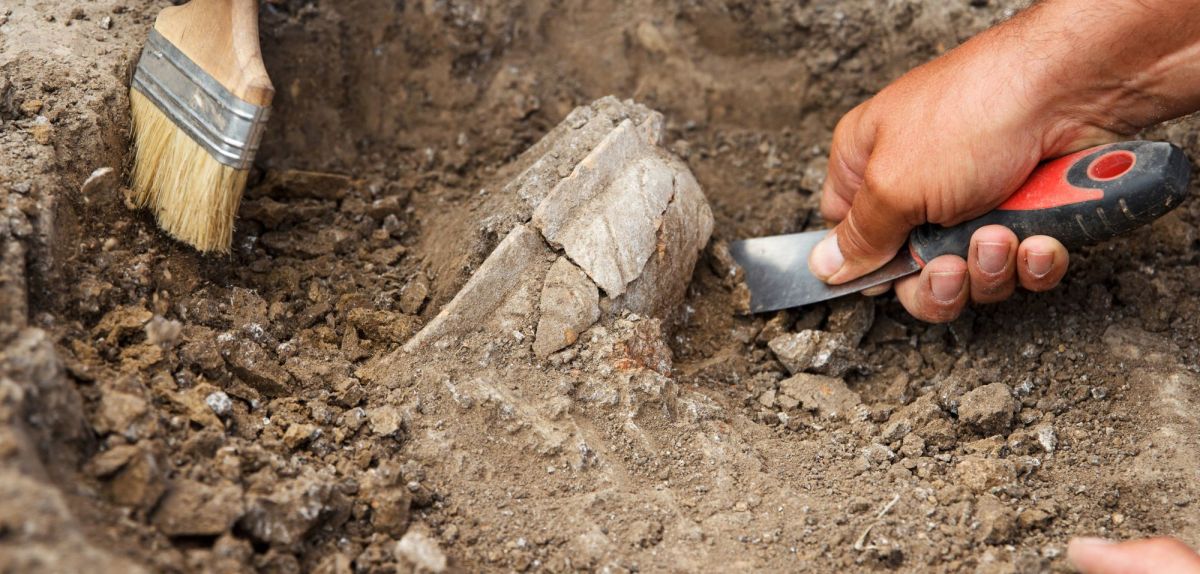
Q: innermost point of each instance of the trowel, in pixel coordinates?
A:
(1080, 199)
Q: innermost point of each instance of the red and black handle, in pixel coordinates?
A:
(1080, 199)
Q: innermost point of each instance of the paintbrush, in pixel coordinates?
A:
(200, 100)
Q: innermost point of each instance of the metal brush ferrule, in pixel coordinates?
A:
(228, 127)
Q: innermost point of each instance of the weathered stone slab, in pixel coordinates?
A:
(686, 227)
(569, 305)
(606, 214)
(609, 209)
(499, 289)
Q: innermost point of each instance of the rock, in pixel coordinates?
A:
(811, 351)
(612, 200)
(1046, 437)
(289, 512)
(256, 368)
(299, 184)
(421, 552)
(605, 215)
(382, 325)
(913, 446)
(299, 434)
(220, 403)
(390, 509)
(505, 281)
(988, 409)
(980, 474)
(121, 322)
(41, 130)
(569, 305)
(895, 430)
(877, 454)
(163, 332)
(686, 227)
(120, 413)
(102, 181)
(413, 294)
(385, 420)
(133, 476)
(852, 318)
(767, 398)
(997, 522)
(196, 509)
(1034, 518)
(829, 396)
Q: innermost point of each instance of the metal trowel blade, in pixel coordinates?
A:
(776, 271)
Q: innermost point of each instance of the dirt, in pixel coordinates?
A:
(171, 412)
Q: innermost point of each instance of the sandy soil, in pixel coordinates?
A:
(172, 412)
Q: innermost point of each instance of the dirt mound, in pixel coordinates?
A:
(172, 412)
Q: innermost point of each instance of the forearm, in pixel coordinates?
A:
(1120, 65)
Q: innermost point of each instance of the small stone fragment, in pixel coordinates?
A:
(254, 366)
(299, 434)
(287, 514)
(988, 409)
(569, 305)
(421, 551)
(852, 318)
(163, 332)
(119, 412)
(413, 294)
(196, 509)
(1034, 518)
(220, 403)
(385, 420)
(1046, 437)
(31, 106)
(41, 130)
(812, 351)
(980, 474)
(877, 454)
(997, 522)
(829, 396)
(102, 181)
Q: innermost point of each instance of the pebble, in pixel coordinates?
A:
(1046, 437)
(220, 403)
(421, 551)
(988, 409)
(106, 23)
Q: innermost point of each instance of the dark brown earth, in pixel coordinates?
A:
(245, 413)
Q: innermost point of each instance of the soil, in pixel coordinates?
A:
(173, 412)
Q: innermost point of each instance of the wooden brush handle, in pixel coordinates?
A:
(221, 36)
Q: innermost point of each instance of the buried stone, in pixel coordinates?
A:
(616, 213)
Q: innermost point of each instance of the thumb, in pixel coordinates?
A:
(1156, 555)
(870, 236)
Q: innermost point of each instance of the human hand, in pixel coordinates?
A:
(1152, 556)
(952, 139)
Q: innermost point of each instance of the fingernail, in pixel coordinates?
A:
(993, 257)
(826, 257)
(947, 285)
(1039, 263)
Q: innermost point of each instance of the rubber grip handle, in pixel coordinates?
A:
(1080, 199)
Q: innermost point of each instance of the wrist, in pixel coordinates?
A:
(1109, 65)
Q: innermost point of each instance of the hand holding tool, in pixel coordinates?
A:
(1080, 199)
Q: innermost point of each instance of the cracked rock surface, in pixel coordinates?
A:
(627, 218)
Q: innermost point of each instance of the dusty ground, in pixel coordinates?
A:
(241, 413)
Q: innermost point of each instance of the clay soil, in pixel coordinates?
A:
(174, 412)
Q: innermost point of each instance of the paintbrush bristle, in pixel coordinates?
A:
(194, 197)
